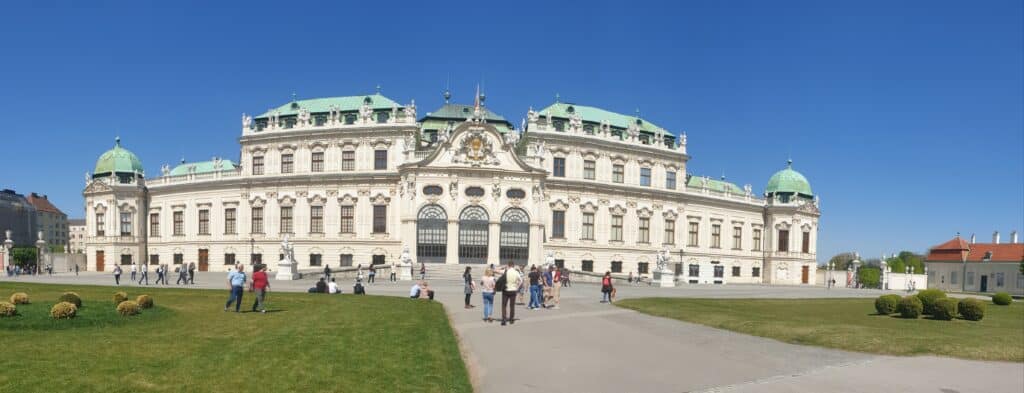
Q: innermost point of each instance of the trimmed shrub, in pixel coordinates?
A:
(127, 308)
(886, 304)
(120, 297)
(144, 301)
(910, 307)
(945, 309)
(1002, 299)
(928, 298)
(72, 298)
(8, 309)
(19, 298)
(971, 309)
(63, 310)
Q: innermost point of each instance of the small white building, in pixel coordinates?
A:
(961, 266)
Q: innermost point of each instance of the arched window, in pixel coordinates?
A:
(473, 233)
(515, 237)
(431, 234)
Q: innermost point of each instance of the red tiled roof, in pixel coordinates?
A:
(1001, 252)
(955, 244)
(42, 204)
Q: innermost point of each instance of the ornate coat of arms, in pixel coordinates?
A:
(476, 149)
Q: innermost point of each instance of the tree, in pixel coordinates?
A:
(24, 256)
(56, 248)
(869, 276)
(842, 260)
(896, 265)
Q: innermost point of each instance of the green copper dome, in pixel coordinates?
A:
(789, 181)
(118, 160)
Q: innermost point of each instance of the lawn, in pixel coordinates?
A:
(308, 343)
(851, 324)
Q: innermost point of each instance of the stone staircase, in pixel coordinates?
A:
(435, 272)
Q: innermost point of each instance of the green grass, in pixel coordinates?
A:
(851, 324)
(310, 343)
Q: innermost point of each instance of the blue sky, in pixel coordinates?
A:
(906, 116)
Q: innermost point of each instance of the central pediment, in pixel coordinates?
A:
(475, 145)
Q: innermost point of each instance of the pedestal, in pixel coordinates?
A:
(664, 279)
(287, 270)
(404, 274)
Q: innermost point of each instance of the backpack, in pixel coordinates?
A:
(358, 289)
(501, 283)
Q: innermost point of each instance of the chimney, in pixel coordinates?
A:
(995, 237)
(973, 239)
(1013, 237)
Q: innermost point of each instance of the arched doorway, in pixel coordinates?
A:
(515, 237)
(473, 232)
(431, 234)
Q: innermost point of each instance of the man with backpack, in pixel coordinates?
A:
(508, 284)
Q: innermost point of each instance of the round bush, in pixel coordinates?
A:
(886, 304)
(1002, 299)
(910, 307)
(945, 309)
(19, 298)
(63, 310)
(8, 309)
(72, 298)
(120, 297)
(127, 308)
(928, 298)
(971, 309)
(144, 301)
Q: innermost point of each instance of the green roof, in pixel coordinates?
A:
(714, 185)
(598, 115)
(438, 120)
(118, 160)
(321, 105)
(203, 167)
(789, 181)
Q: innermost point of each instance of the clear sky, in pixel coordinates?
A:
(906, 116)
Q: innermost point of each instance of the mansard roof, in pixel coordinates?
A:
(211, 166)
(323, 105)
(438, 120)
(713, 185)
(597, 115)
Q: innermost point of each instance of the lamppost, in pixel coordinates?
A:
(252, 251)
(40, 245)
(8, 245)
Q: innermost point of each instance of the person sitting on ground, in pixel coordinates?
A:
(414, 292)
(321, 286)
(426, 292)
(332, 288)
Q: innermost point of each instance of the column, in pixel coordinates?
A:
(494, 243)
(452, 256)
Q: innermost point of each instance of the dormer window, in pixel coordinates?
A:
(367, 100)
(988, 256)
(570, 109)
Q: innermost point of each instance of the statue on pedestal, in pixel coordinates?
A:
(550, 259)
(287, 269)
(663, 259)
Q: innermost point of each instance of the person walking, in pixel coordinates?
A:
(117, 274)
(565, 278)
(393, 278)
(606, 287)
(76, 269)
(548, 279)
(135, 268)
(182, 275)
(556, 285)
(373, 273)
(535, 289)
(468, 285)
(522, 285)
(236, 282)
(159, 274)
(327, 272)
(487, 289)
(260, 285)
(629, 279)
(512, 280)
(423, 271)
(192, 273)
(144, 274)
(359, 273)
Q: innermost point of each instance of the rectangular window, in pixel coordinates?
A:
(694, 232)
(382, 117)
(999, 279)
(670, 232)
(558, 224)
(969, 278)
(286, 220)
(126, 224)
(257, 165)
(256, 259)
(316, 219)
(100, 225)
(179, 259)
(314, 259)
(645, 177)
(783, 240)
(719, 271)
(380, 219)
(755, 272)
(345, 260)
(347, 221)
(953, 278)
(287, 163)
(350, 118)
(559, 167)
(348, 160)
(735, 271)
(588, 227)
(694, 270)
(716, 236)
(229, 259)
(126, 259)
(204, 222)
(380, 160)
(154, 224)
(757, 240)
(1020, 280)
(737, 238)
(257, 220)
(618, 174)
(154, 259)
(589, 169)
(644, 235)
(616, 267)
(642, 267)
(229, 222)
(318, 161)
(588, 266)
(179, 223)
(616, 235)
(670, 180)
(806, 245)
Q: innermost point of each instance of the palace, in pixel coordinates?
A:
(360, 179)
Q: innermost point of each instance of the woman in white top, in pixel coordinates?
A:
(487, 289)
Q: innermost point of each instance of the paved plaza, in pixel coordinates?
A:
(590, 347)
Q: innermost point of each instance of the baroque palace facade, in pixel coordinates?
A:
(360, 180)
